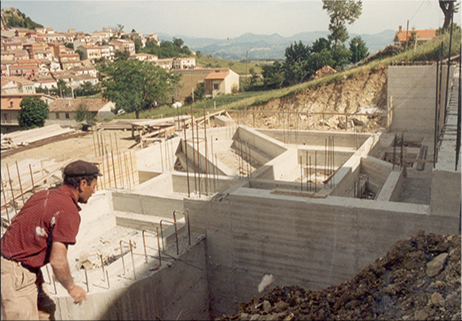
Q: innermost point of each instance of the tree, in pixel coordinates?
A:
(33, 113)
(80, 52)
(297, 64)
(341, 12)
(273, 75)
(320, 44)
(137, 85)
(83, 114)
(62, 89)
(340, 55)
(121, 55)
(358, 49)
(449, 7)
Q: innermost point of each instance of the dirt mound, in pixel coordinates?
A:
(324, 71)
(388, 51)
(418, 279)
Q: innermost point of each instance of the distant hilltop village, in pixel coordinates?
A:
(43, 56)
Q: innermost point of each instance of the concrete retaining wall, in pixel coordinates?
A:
(313, 243)
(317, 138)
(164, 295)
(162, 206)
(413, 89)
(265, 144)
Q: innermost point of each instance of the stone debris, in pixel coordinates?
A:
(265, 282)
(324, 71)
(418, 279)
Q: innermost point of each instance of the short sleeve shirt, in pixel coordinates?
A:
(48, 216)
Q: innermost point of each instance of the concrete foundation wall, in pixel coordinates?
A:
(446, 185)
(392, 187)
(317, 138)
(265, 144)
(313, 243)
(164, 295)
(413, 89)
(215, 184)
(162, 206)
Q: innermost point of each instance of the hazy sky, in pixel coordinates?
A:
(226, 18)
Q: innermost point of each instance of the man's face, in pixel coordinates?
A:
(86, 190)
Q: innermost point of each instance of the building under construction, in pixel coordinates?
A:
(186, 226)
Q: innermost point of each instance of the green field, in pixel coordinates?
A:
(238, 67)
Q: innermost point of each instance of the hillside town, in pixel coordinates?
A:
(42, 61)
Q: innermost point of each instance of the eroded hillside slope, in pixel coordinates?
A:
(348, 96)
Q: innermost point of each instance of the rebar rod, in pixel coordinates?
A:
(158, 246)
(311, 187)
(12, 191)
(187, 221)
(86, 281)
(122, 256)
(435, 134)
(301, 174)
(102, 266)
(206, 158)
(133, 259)
(194, 152)
(144, 246)
(107, 278)
(32, 178)
(121, 172)
(187, 161)
(6, 205)
(20, 184)
(325, 159)
(198, 161)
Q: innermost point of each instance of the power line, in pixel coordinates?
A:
(417, 11)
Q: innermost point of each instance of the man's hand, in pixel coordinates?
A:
(78, 294)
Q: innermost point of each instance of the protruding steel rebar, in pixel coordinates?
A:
(32, 178)
(102, 265)
(107, 278)
(86, 281)
(158, 247)
(12, 191)
(122, 256)
(6, 205)
(187, 219)
(144, 246)
(133, 259)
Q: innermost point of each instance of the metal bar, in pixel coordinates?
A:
(20, 184)
(206, 158)
(310, 176)
(161, 156)
(315, 170)
(86, 281)
(301, 174)
(187, 218)
(176, 235)
(144, 246)
(133, 259)
(11, 187)
(131, 168)
(194, 152)
(325, 159)
(32, 178)
(402, 150)
(198, 160)
(122, 256)
(449, 67)
(6, 205)
(158, 247)
(102, 264)
(394, 151)
(121, 172)
(187, 161)
(459, 119)
(107, 278)
(435, 134)
(94, 143)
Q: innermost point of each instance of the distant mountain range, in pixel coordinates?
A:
(269, 46)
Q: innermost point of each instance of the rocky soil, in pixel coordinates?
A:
(352, 95)
(418, 279)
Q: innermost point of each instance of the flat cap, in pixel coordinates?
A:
(81, 168)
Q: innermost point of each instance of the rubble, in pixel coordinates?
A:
(418, 279)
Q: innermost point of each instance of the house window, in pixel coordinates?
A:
(57, 115)
(215, 86)
(67, 115)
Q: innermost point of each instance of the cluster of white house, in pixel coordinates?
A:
(32, 59)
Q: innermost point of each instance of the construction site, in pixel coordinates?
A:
(193, 211)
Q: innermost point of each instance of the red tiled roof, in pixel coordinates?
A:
(420, 34)
(217, 75)
(66, 105)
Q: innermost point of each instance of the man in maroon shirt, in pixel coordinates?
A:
(39, 234)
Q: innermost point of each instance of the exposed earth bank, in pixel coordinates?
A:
(418, 279)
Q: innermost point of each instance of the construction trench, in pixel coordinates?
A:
(186, 228)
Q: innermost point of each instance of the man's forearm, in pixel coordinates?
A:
(63, 274)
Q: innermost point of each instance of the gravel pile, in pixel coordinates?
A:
(418, 279)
